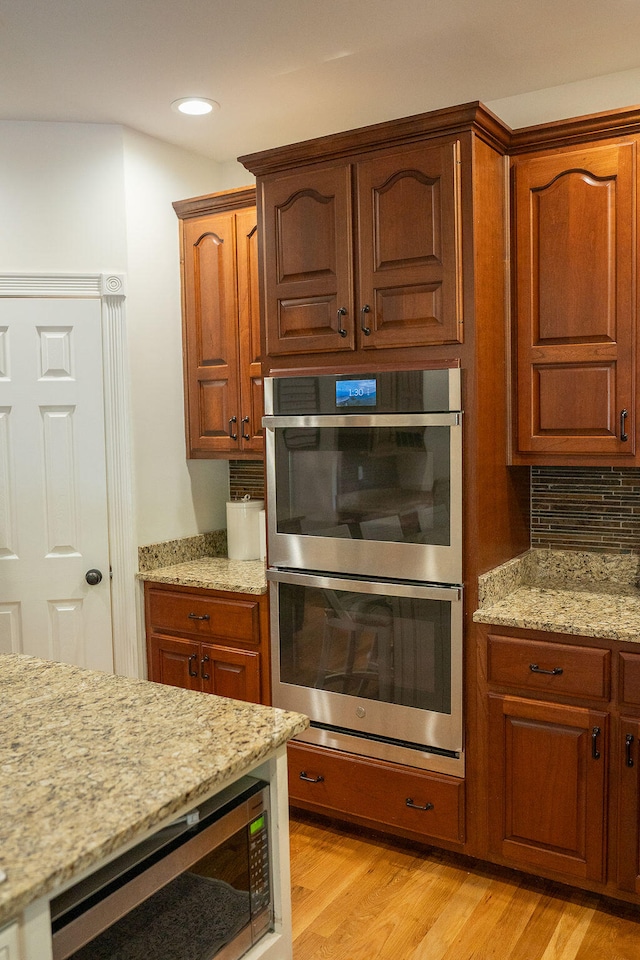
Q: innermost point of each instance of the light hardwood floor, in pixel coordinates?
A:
(357, 896)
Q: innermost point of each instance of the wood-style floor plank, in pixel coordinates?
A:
(360, 896)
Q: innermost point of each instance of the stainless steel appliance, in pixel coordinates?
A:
(199, 889)
(364, 515)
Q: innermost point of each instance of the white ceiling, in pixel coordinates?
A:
(287, 70)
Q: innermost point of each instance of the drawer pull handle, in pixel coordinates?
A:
(245, 434)
(628, 740)
(341, 313)
(232, 434)
(195, 616)
(416, 806)
(192, 659)
(205, 676)
(595, 733)
(363, 318)
(308, 779)
(624, 436)
(550, 673)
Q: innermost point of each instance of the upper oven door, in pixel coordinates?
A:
(373, 495)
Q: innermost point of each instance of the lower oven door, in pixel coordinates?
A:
(376, 665)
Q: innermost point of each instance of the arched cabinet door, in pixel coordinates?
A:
(365, 253)
(575, 263)
(308, 262)
(409, 256)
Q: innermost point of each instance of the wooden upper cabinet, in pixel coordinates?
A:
(377, 271)
(575, 313)
(409, 260)
(308, 261)
(221, 325)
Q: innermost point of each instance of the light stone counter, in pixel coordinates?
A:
(90, 762)
(213, 573)
(565, 591)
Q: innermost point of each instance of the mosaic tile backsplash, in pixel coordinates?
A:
(246, 476)
(586, 508)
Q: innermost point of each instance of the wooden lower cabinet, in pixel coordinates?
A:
(628, 840)
(208, 640)
(548, 776)
(225, 671)
(390, 797)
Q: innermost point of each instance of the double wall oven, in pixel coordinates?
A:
(364, 513)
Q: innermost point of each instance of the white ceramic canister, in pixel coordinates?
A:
(243, 529)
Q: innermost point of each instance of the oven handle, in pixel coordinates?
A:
(411, 590)
(366, 420)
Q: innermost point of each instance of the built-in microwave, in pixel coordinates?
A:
(197, 890)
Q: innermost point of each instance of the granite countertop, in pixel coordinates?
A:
(90, 761)
(212, 573)
(564, 591)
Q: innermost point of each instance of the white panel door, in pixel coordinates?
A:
(53, 499)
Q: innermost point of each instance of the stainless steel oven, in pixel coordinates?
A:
(364, 475)
(197, 890)
(364, 516)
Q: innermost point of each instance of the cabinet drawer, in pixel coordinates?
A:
(630, 679)
(560, 668)
(371, 792)
(194, 615)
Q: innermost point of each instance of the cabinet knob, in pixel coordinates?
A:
(341, 313)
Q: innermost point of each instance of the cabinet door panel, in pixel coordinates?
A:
(371, 792)
(408, 237)
(175, 662)
(628, 764)
(229, 672)
(575, 269)
(629, 694)
(308, 261)
(548, 807)
(251, 393)
(560, 668)
(211, 349)
(203, 616)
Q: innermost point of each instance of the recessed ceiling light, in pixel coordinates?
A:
(195, 106)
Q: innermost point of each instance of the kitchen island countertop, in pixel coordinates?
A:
(563, 591)
(90, 762)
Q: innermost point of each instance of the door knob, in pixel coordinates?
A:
(93, 577)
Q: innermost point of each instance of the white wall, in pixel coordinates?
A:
(610, 92)
(93, 198)
(61, 198)
(175, 497)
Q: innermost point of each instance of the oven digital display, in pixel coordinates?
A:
(356, 393)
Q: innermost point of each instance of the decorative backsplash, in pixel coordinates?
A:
(246, 477)
(586, 508)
